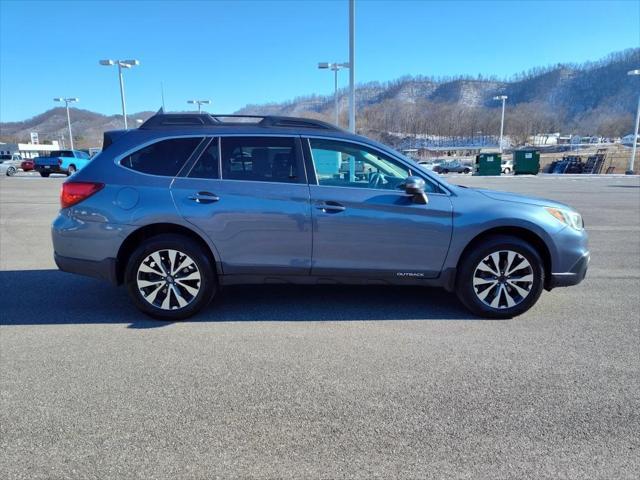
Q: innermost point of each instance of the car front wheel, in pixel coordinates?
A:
(44, 174)
(501, 278)
(170, 277)
(11, 171)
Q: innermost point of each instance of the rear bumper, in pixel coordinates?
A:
(574, 276)
(103, 269)
(51, 169)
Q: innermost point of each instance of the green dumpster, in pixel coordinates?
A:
(526, 162)
(488, 164)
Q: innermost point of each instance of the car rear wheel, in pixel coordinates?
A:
(44, 174)
(466, 170)
(445, 171)
(501, 278)
(506, 171)
(170, 277)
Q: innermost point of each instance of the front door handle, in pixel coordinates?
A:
(204, 197)
(330, 207)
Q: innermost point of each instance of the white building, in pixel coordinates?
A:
(28, 150)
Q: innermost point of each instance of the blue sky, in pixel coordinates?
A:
(236, 53)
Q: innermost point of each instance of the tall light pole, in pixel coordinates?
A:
(635, 132)
(121, 64)
(335, 67)
(352, 66)
(67, 101)
(503, 98)
(199, 103)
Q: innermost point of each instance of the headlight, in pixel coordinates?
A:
(567, 217)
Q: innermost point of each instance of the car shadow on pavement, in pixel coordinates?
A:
(51, 297)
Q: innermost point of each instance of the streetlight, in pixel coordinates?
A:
(199, 103)
(335, 67)
(121, 64)
(352, 66)
(67, 101)
(635, 133)
(503, 98)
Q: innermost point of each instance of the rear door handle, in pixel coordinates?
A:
(204, 197)
(330, 207)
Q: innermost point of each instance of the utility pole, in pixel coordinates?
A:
(504, 99)
(67, 101)
(121, 64)
(199, 103)
(335, 67)
(635, 131)
(352, 67)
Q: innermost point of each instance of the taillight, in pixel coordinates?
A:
(75, 192)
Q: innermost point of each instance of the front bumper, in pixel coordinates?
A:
(574, 276)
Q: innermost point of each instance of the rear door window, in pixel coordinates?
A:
(207, 165)
(164, 158)
(262, 159)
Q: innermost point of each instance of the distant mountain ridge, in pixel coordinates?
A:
(575, 89)
(87, 126)
(593, 98)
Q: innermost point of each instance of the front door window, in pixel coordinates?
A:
(342, 164)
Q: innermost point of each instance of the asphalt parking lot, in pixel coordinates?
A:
(324, 382)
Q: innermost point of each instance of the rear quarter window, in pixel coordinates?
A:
(164, 158)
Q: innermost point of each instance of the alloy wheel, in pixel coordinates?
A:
(503, 279)
(168, 279)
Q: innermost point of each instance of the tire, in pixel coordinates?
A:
(445, 171)
(149, 288)
(478, 267)
(506, 171)
(11, 171)
(466, 170)
(71, 170)
(44, 174)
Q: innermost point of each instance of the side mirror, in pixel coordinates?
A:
(414, 186)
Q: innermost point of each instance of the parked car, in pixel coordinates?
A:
(27, 165)
(507, 166)
(61, 161)
(429, 164)
(9, 163)
(454, 166)
(188, 203)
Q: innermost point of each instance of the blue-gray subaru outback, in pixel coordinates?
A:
(188, 203)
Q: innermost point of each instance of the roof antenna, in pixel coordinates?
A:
(162, 93)
(160, 112)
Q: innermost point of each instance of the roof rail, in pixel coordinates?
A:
(160, 120)
(295, 122)
(178, 120)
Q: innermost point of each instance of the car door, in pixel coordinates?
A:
(250, 195)
(363, 221)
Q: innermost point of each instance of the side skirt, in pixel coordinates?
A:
(227, 280)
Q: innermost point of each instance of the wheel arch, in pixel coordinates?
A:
(529, 236)
(148, 231)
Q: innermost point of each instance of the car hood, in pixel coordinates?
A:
(514, 197)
